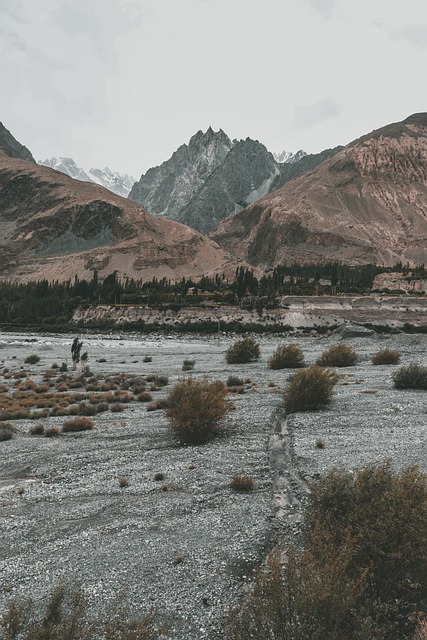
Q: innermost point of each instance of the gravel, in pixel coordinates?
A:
(186, 544)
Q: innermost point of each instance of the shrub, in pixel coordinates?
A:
(145, 396)
(362, 571)
(37, 430)
(234, 381)
(196, 408)
(385, 513)
(413, 376)
(309, 390)
(244, 350)
(123, 482)
(66, 616)
(32, 359)
(386, 356)
(161, 381)
(287, 356)
(338, 355)
(6, 431)
(77, 424)
(117, 407)
(159, 475)
(51, 432)
(147, 359)
(242, 484)
(188, 365)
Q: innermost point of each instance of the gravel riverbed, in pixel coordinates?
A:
(187, 544)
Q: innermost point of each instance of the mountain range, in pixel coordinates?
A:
(115, 182)
(363, 203)
(55, 227)
(366, 204)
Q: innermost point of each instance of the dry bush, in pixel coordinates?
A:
(234, 381)
(51, 432)
(309, 390)
(32, 359)
(123, 482)
(244, 350)
(77, 424)
(386, 356)
(287, 356)
(147, 359)
(413, 376)
(6, 431)
(385, 513)
(338, 355)
(361, 573)
(188, 365)
(242, 484)
(37, 430)
(159, 475)
(196, 409)
(66, 616)
(116, 408)
(161, 381)
(145, 396)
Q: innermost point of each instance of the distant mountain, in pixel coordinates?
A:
(213, 177)
(54, 227)
(289, 157)
(290, 170)
(119, 184)
(366, 204)
(12, 147)
(167, 189)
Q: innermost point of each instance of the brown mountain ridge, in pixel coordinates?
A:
(367, 204)
(54, 227)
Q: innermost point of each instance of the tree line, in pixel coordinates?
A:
(54, 303)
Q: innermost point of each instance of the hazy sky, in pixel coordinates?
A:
(124, 82)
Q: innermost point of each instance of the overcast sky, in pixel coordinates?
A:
(123, 83)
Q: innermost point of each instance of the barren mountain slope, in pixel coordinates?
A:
(55, 227)
(366, 204)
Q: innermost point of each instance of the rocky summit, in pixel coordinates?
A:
(54, 227)
(366, 204)
(213, 177)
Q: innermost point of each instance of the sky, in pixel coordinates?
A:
(123, 83)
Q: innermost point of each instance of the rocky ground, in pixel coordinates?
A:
(185, 544)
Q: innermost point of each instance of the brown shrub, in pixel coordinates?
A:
(196, 409)
(51, 432)
(309, 390)
(287, 356)
(386, 356)
(338, 355)
(37, 430)
(242, 484)
(77, 424)
(117, 407)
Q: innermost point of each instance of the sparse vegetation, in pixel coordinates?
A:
(6, 431)
(338, 355)
(37, 429)
(386, 356)
(196, 409)
(77, 424)
(51, 432)
(242, 484)
(32, 359)
(147, 359)
(159, 475)
(123, 482)
(320, 444)
(412, 376)
(234, 381)
(66, 616)
(362, 571)
(287, 356)
(309, 390)
(244, 350)
(188, 365)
